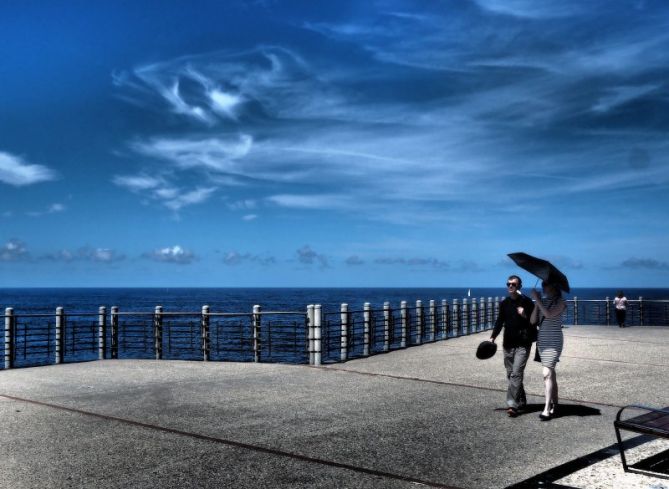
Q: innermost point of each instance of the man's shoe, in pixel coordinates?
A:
(512, 412)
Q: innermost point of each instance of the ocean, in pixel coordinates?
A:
(45, 300)
(231, 334)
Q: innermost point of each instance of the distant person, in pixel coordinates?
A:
(514, 316)
(621, 308)
(547, 313)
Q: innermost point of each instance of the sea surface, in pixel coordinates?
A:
(232, 335)
(45, 300)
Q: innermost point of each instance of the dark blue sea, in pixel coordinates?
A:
(45, 300)
(231, 333)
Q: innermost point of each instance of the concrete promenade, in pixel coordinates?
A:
(427, 415)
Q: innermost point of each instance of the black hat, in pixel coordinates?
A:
(486, 350)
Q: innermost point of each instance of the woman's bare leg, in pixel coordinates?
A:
(550, 389)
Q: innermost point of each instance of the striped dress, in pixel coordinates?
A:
(550, 339)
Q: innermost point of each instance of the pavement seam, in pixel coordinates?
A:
(616, 361)
(616, 339)
(235, 444)
(456, 384)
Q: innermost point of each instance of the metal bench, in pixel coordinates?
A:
(654, 422)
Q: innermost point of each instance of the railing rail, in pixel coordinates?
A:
(311, 336)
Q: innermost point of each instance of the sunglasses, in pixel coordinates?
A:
(512, 284)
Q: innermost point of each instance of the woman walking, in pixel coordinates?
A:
(547, 313)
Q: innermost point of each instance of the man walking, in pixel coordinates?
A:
(514, 317)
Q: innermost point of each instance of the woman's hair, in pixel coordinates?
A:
(620, 293)
(556, 288)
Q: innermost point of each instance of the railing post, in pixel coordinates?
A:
(404, 316)
(465, 315)
(310, 318)
(386, 326)
(641, 319)
(458, 317)
(608, 312)
(9, 337)
(433, 320)
(205, 333)
(489, 313)
(60, 337)
(158, 332)
(480, 319)
(256, 333)
(444, 319)
(343, 352)
(575, 310)
(114, 332)
(367, 320)
(102, 332)
(495, 311)
(318, 320)
(420, 319)
(475, 316)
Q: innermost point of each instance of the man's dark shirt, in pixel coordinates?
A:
(517, 329)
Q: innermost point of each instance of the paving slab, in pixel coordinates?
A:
(427, 414)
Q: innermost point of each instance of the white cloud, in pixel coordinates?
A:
(216, 153)
(621, 95)
(15, 171)
(534, 9)
(86, 253)
(196, 196)
(173, 254)
(250, 217)
(157, 188)
(14, 250)
(137, 183)
(314, 201)
(225, 103)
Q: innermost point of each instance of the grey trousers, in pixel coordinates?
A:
(515, 360)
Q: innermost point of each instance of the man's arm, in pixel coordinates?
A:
(499, 323)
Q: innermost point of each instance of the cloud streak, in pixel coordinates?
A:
(15, 171)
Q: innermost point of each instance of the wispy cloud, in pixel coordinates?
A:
(307, 256)
(86, 253)
(234, 258)
(516, 108)
(354, 260)
(414, 262)
(14, 170)
(14, 250)
(174, 254)
(645, 263)
(158, 189)
(51, 209)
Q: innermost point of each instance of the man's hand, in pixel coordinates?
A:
(520, 310)
(492, 339)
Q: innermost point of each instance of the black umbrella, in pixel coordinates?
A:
(543, 269)
(485, 350)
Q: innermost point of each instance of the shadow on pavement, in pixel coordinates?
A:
(657, 465)
(564, 410)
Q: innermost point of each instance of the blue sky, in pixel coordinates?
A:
(301, 143)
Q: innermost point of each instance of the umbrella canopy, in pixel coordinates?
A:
(543, 269)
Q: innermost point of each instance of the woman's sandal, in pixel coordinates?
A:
(543, 417)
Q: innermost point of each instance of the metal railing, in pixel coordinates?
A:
(640, 312)
(313, 336)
